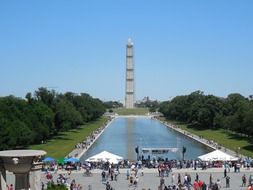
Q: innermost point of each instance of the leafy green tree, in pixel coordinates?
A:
(39, 117)
(248, 123)
(41, 120)
(19, 134)
(207, 111)
(66, 117)
(112, 104)
(45, 96)
(52, 186)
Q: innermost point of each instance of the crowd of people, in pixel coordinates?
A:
(165, 170)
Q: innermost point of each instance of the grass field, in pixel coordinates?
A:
(64, 143)
(134, 111)
(225, 138)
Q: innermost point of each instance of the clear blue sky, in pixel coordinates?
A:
(79, 46)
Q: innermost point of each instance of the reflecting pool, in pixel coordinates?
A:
(125, 133)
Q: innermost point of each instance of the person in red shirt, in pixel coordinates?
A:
(200, 183)
(196, 185)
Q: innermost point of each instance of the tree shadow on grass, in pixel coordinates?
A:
(59, 136)
(200, 128)
(74, 131)
(249, 148)
(238, 137)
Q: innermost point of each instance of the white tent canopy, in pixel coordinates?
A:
(217, 155)
(105, 156)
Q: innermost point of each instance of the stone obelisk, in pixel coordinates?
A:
(129, 99)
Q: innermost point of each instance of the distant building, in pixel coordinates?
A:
(145, 99)
(129, 99)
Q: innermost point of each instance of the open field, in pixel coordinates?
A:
(134, 111)
(62, 144)
(223, 137)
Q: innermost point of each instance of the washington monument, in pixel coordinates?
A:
(129, 99)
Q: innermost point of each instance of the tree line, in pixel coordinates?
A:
(42, 115)
(235, 112)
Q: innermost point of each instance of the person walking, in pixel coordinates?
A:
(197, 176)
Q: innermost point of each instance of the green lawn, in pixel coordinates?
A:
(225, 138)
(134, 111)
(64, 143)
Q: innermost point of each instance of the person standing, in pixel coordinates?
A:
(218, 183)
(225, 172)
(250, 179)
(128, 174)
(195, 164)
(227, 181)
(172, 179)
(103, 174)
(108, 186)
(179, 179)
(116, 173)
(196, 185)
(204, 186)
(210, 180)
(162, 182)
(244, 180)
(42, 186)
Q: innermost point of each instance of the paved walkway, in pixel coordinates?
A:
(151, 179)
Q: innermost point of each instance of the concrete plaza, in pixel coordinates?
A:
(151, 179)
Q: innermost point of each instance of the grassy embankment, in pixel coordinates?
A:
(62, 144)
(223, 137)
(134, 111)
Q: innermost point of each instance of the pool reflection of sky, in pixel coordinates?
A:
(124, 134)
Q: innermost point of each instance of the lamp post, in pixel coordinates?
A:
(238, 151)
(184, 151)
(137, 151)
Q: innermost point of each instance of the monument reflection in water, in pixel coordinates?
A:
(125, 133)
